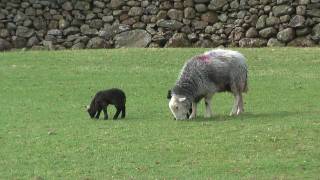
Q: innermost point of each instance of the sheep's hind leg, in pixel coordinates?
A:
(235, 105)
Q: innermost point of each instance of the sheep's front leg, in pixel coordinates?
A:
(194, 111)
(208, 112)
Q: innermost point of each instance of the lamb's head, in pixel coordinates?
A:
(90, 111)
(179, 106)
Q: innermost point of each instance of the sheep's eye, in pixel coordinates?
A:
(176, 107)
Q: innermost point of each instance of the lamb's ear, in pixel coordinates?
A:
(182, 99)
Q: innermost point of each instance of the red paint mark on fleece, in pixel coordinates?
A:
(204, 58)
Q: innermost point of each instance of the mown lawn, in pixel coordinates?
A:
(45, 132)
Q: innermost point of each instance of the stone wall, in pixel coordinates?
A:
(77, 24)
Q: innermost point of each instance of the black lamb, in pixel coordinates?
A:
(102, 99)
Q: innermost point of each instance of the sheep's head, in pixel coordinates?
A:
(179, 106)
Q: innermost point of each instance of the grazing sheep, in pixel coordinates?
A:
(102, 99)
(203, 75)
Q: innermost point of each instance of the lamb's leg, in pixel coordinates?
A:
(98, 112)
(123, 112)
(207, 101)
(105, 113)
(240, 104)
(194, 111)
(235, 104)
(117, 113)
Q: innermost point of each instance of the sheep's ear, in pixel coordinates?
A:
(182, 99)
(169, 94)
(87, 107)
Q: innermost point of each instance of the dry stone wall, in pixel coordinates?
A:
(77, 24)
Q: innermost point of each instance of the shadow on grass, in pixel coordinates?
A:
(250, 115)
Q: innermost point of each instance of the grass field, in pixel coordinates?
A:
(45, 132)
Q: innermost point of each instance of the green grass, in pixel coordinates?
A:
(46, 133)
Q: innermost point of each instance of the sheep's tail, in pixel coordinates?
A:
(243, 79)
(246, 88)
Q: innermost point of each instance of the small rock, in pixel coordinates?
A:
(82, 5)
(251, 33)
(302, 42)
(24, 32)
(268, 32)
(135, 11)
(286, 35)
(55, 32)
(96, 43)
(189, 13)
(178, 40)
(4, 45)
(217, 4)
(282, 10)
(71, 30)
(209, 17)
(133, 38)
(201, 8)
(273, 42)
(297, 21)
(261, 23)
(175, 14)
(170, 24)
(252, 42)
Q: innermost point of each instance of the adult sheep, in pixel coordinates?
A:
(204, 75)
